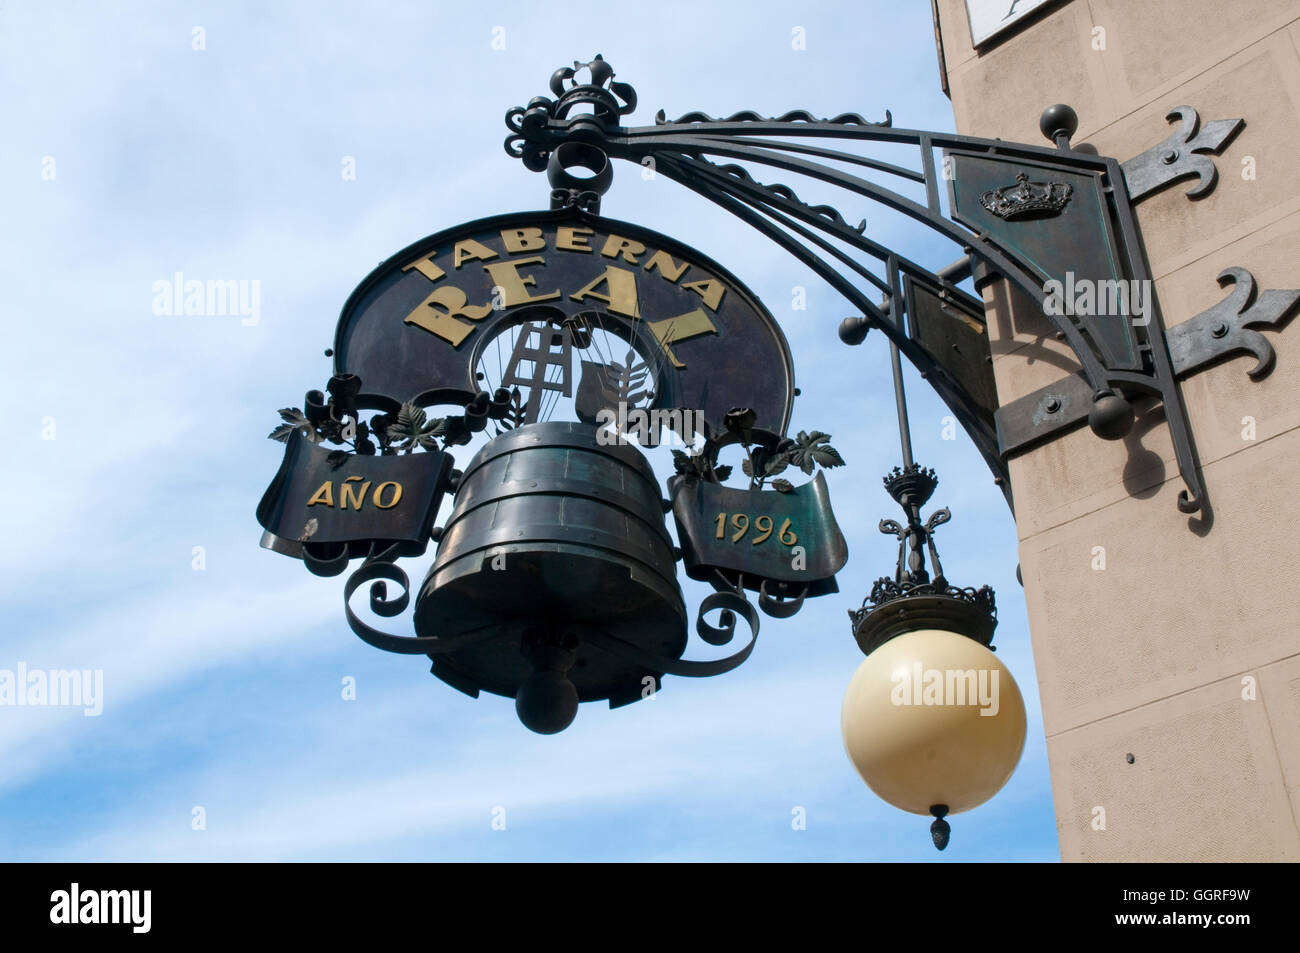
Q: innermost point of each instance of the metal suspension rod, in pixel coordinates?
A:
(900, 399)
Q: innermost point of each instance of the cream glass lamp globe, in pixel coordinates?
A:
(933, 718)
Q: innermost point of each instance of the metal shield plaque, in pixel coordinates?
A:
(764, 535)
(1058, 223)
(330, 506)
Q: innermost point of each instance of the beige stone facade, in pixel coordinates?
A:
(1184, 650)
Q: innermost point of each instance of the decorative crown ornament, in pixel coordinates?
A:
(1027, 199)
(608, 99)
(911, 486)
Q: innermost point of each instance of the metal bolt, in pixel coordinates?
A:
(1220, 329)
(1170, 157)
(1053, 405)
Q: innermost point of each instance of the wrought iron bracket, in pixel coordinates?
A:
(1217, 333)
(999, 194)
(1180, 155)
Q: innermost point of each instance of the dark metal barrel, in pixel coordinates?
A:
(553, 536)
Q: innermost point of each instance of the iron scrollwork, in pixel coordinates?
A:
(684, 151)
(914, 599)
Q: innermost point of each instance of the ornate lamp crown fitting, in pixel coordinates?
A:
(912, 485)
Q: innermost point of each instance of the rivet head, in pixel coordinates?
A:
(1219, 330)
(1053, 405)
(1170, 157)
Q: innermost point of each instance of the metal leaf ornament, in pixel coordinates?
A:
(516, 413)
(691, 465)
(619, 381)
(767, 464)
(811, 450)
(294, 419)
(414, 429)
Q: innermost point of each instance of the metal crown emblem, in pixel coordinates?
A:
(1027, 199)
(911, 486)
(608, 99)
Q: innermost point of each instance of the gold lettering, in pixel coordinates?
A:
(348, 493)
(667, 267)
(681, 328)
(522, 239)
(505, 276)
(439, 312)
(710, 290)
(377, 498)
(571, 239)
(617, 245)
(468, 249)
(325, 495)
(622, 291)
(426, 267)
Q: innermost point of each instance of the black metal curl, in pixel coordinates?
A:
(794, 115)
(323, 560)
(581, 199)
(688, 668)
(730, 603)
(523, 120)
(828, 212)
(379, 569)
(514, 115)
(780, 606)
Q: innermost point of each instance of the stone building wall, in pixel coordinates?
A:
(1184, 650)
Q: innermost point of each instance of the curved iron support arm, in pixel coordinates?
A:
(680, 150)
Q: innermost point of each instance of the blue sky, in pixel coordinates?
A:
(130, 155)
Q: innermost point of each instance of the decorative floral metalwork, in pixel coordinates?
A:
(885, 590)
(766, 455)
(913, 598)
(337, 420)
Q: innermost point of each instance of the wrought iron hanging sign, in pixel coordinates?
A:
(420, 326)
(555, 576)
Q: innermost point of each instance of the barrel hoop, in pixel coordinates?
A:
(546, 533)
(563, 436)
(581, 489)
